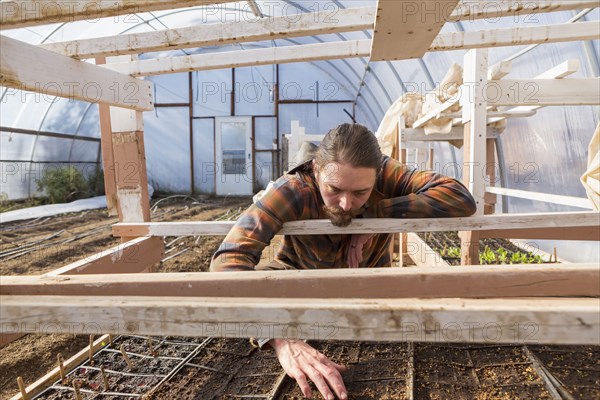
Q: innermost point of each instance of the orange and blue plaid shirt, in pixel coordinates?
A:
(399, 192)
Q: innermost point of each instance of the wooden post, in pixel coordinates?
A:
(474, 104)
(104, 378)
(76, 390)
(22, 388)
(402, 238)
(91, 352)
(126, 358)
(491, 167)
(61, 367)
(133, 202)
(108, 159)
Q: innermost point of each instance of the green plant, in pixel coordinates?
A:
(452, 252)
(95, 182)
(63, 184)
(487, 256)
(502, 255)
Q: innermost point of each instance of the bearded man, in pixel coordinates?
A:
(347, 178)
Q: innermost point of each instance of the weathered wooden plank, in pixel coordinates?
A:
(544, 320)
(372, 225)
(27, 67)
(24, 13)
(204, 35)
(466, 281)
(245, 58)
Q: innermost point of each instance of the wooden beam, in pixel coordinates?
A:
(561, 71)
(571, 201)
(218, 34)
(371, 225)
(516, 36)
(435, 112)
(457, 133)
(415, 24)
(51, 377)
(530, 9)
(543, 320)
(587, 233)
(24, 13)
(246, 58)
(423, 255)
(474, 117)
(466, 282)
(543, 92)
(499, 70)
(27, 67)
(137, 255)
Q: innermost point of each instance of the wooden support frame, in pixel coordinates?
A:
(474, 117)
(457, 133)
(570, 201)
(137, 255)
(569, 32)
(25, 13)
(472, 10)
(423, 255)
(378, 283)
(41, 384)
(27, 67)
(583, 233)
(372, 225)
(415, 24)
(204, 35)
(541, 320)
(245, 58)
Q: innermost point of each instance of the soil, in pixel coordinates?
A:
(39, 246)
(217, 368)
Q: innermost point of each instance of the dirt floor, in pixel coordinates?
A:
(215, 368)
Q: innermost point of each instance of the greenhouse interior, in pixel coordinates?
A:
(144, 143)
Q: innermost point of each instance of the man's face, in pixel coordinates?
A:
(345, 189)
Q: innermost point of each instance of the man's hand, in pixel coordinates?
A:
(300, 361)
(355, 252)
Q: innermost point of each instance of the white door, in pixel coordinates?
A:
(234, 155)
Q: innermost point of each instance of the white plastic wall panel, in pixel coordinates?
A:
(212, 93)
(330, 116)
(171, 88)
(263, 167)
(265, 134)
(204, 155)
(16, 146)
(254, 88)
(167, 143)
(90, 126)
(64, 116)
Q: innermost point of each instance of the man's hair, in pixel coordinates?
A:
(352, 144)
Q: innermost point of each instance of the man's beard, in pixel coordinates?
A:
(337, 216)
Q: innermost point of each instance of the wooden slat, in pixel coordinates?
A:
(204, 35)
(406, 28)
(516, 36)
(27, 67)
(245, 58)
(561, 71)
(423, 255)
(44, 382)
(466, 282)
(530, 9)
(24, 13)
(371, 225)
(457, 133)
(543, 320)
(571, 201)
(137, 255)
(544, 92)
(588, 233)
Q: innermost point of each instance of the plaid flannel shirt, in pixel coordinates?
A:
(399, 192)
